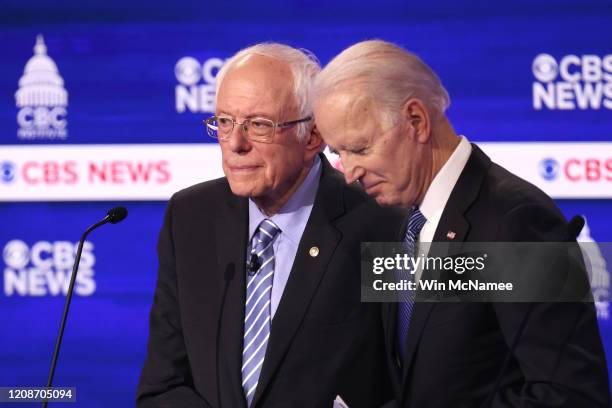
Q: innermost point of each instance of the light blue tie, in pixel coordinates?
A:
(416, 220)
(257, 307)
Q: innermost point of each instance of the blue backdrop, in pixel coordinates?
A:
(123, 67)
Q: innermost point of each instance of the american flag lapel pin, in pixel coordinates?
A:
(451, 234)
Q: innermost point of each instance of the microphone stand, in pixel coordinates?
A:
(111, 217)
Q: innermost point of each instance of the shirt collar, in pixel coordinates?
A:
(443, 183)
(295, 212)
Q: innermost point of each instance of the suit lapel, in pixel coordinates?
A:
(452, 227)
(389, 321)
(231, 232)
(306, 273)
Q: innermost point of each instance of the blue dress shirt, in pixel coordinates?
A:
(291, 219)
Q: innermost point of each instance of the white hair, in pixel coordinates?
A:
(304, 67)
(388, 75)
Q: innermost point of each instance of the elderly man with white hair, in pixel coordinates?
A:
(257, 301)
(382, 110)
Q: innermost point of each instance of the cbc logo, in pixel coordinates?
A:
(197, 83)
(8, 171)
(42, 117)
(549, 169)
(574, 82)
(41, 98)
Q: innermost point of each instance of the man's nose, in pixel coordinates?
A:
(238, 139)
(352, 171)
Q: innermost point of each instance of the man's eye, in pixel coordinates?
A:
(360, 151)
(260, 124)
(224, 121)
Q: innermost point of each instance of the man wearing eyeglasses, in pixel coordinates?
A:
(258, 295)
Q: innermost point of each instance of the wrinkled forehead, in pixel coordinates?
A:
(346, 107)
(346, 119)
(260, 81)
(264, 65)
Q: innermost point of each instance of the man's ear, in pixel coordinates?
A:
(314, 140)
(416, 116)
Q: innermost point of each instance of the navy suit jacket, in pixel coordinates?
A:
(324, 341)
(455, 351)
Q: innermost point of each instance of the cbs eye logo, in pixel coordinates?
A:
(189, 71)
(16, 254)
(549, 169)
(545, 68)
(8, 172)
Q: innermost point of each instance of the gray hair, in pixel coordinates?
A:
(304, 67)
(388, 75)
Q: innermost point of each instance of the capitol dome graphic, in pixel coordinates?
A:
(41, 98)
(41, 83)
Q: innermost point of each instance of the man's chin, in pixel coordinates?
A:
(383, 200)
(241, 189)
(387, 200)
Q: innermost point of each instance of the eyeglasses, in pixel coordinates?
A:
(257, 129)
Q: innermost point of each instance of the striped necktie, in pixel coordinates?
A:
(257, 307)
(416, 220)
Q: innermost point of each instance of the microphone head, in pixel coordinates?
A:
(253, 265)
(575, 226)
(116, 214)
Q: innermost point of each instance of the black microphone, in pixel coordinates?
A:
(113, 216)
(116, 214)
(253, 264)
(574, 226)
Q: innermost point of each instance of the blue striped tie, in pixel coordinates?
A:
(416, 221)
(257, 308)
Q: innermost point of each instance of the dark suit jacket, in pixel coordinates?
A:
(455, 351)
(324, 342)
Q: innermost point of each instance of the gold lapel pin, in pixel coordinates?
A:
(451, 234)
(314, 251)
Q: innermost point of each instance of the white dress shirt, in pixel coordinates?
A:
(438, 193)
